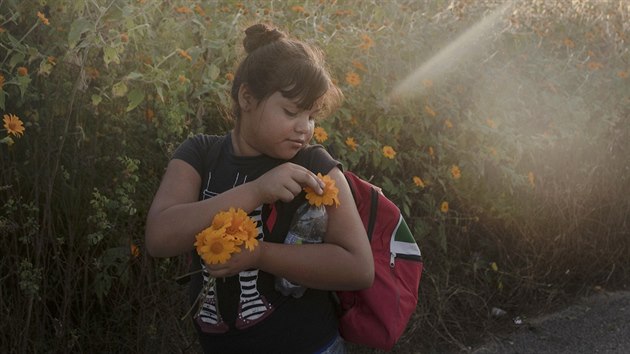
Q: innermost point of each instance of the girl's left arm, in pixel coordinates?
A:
(343, 262)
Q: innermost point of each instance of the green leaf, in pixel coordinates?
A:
(110, 55)
(78, 27)
(96, 100)
(213, 72)
(16, 59)
(119, 89)
(23, 82)
(134, 97)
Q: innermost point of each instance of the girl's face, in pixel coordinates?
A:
(275, 127)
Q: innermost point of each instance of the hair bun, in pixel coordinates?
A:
(259, 35)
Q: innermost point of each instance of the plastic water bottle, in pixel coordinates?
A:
(308, 226)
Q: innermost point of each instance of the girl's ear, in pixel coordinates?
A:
(245, 98)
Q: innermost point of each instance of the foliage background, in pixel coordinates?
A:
(519, 153)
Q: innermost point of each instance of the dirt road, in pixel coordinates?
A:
(597, 324)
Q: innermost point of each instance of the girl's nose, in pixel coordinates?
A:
(303, 124)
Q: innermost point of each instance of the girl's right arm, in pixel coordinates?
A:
(176, 215)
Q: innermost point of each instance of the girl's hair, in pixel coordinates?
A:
(275, 62)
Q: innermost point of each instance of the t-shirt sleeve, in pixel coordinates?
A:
(317, 159)
(194, 150)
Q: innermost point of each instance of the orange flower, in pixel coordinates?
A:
(491, 123)
(595, 65)
(623, 74)
(297, 8)
(22, 71)
(389, 152)
(351, 144)
(427, 83)
(1, 81)
(359, 65)
(531, 178)
(448, 124)
(183, 10)
(367, 42)
(124, 37)
(149, 114)
(444, 207)
(43, 18)
(184, 54)
(134, 250)
(199, 10)
(13, 125)
(229, 76)
(182, 79)
(320, 135)
(418, 182)
(353, 79)
(431, 152)
(229, 230)
(328, 197)
(429, 111)
(456, 172)
(52, 60)
(569, 43)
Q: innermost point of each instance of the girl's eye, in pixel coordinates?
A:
(289, 113)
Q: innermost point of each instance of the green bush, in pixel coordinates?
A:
(507, 154)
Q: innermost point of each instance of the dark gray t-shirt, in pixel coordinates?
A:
(244, 313)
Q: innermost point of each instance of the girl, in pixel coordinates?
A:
(263, 164)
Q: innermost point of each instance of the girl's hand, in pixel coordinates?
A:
(285, 182)
(243, 260)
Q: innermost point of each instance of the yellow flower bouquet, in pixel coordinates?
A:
(227, 234)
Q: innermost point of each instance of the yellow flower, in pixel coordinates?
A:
(214, 248)
(568, 42)
(448, 124)
(494, 266)
(431, 152)
(52, 60)
(418, 181)
(444, 207)
(429, 111)
(531, 178)
(623, 74)
(229, 230)
(353, 79)
(184, 54)
(351, 144)
(229, 76)
(183, 10)
(13, 125)
(22, 71)
(359, 65)
(149, 114)
(181, 79)
(456, 172)
(199, 10)
(43, 18)
(328, 197)
(491, 123)
(367, 42)
(320, 134)
(134, 250)
(389, 152)
(595, 65)
(297, 8)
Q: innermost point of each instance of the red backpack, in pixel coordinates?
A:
(378, 316)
